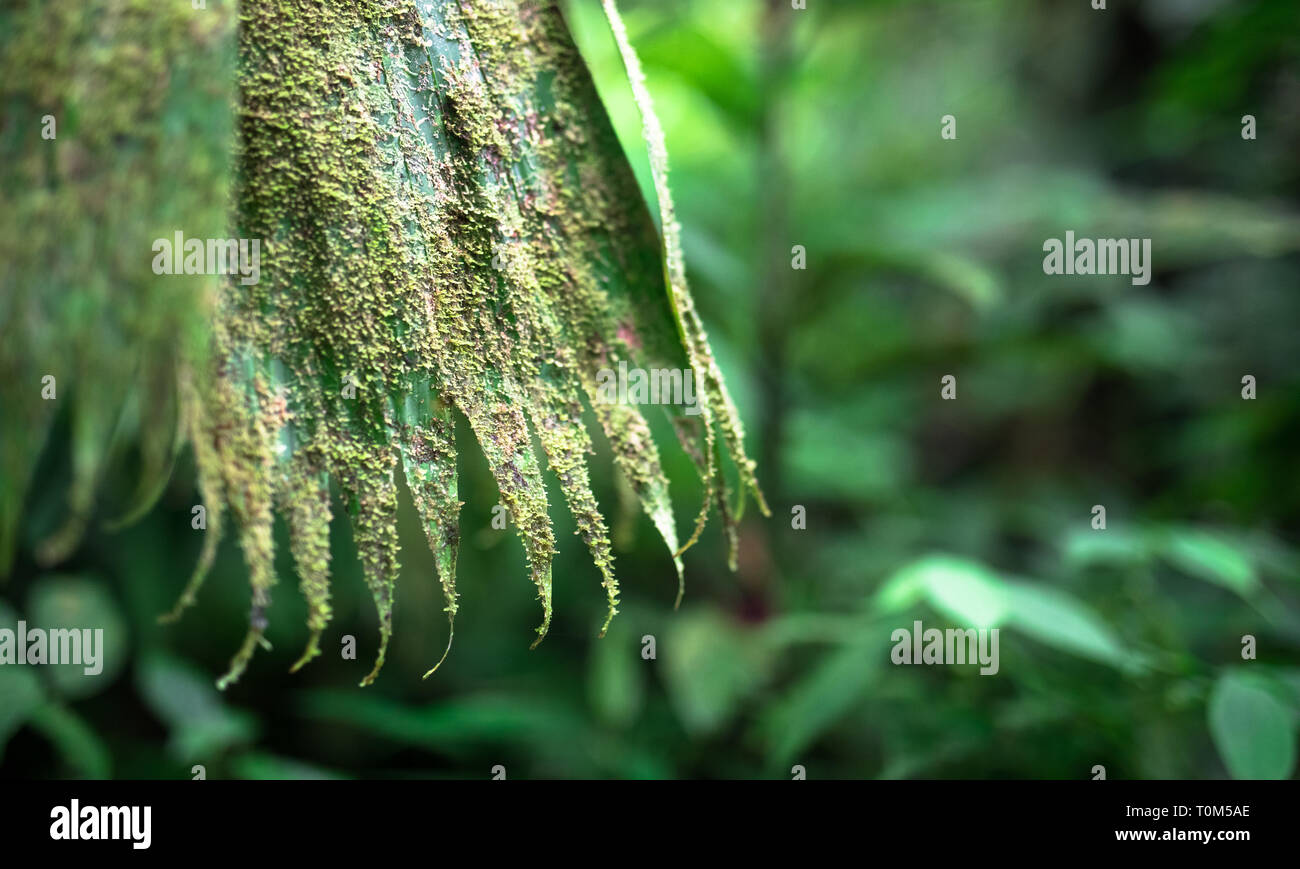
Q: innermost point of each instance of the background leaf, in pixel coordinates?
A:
(21, 691)
(1254, 732)
(200, 725)
(1057, 619)
(81, 604)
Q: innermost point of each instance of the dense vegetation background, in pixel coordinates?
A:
(924, 258)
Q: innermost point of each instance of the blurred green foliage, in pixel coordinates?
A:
(1120, 647)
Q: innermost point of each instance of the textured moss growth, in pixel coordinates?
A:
(448, 226)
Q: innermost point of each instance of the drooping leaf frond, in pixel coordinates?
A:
(449, 225)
